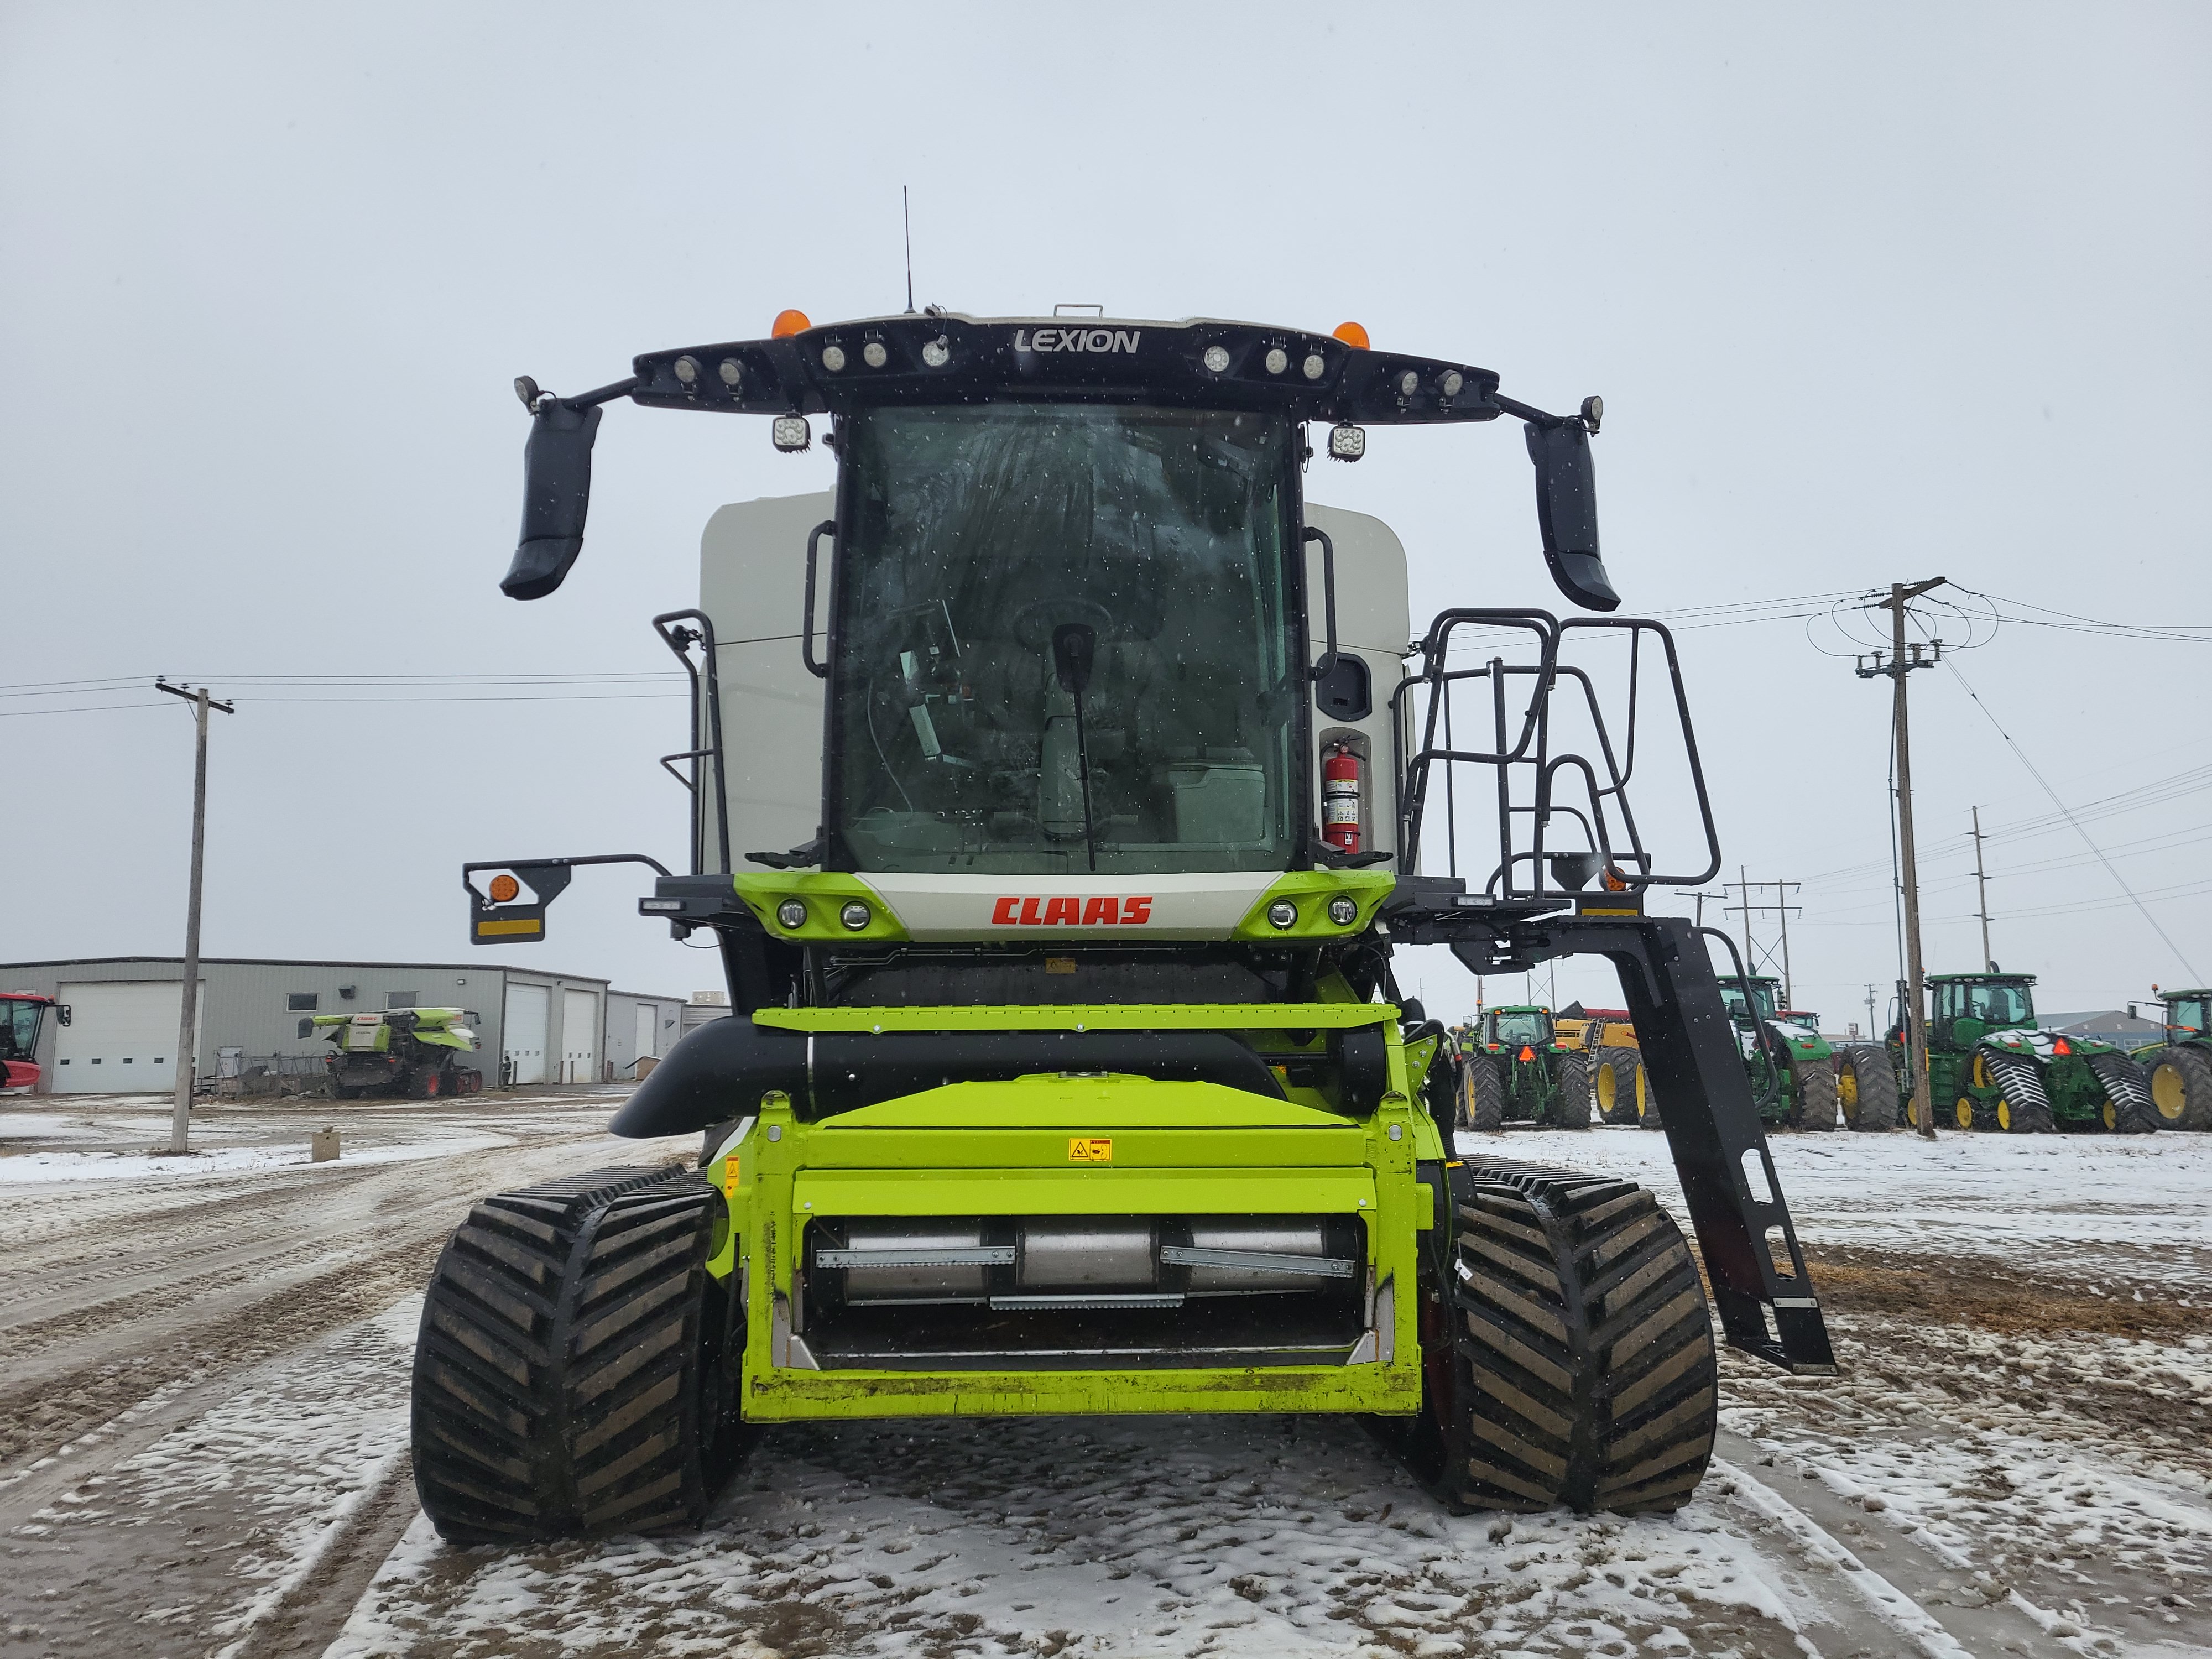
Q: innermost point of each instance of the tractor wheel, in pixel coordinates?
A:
(1481, 1094)
(2022, 1107)
(1572, 1362)
(1815, 1103)
(572, 1375)
(1866, 1088)
(2181, 1086)
(2127, 1109)
(1619, 1082)
(1571, 1103)
(1647, 1102)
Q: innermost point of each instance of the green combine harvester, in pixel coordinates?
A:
(403, 1051)
(2181, 1068)
(1060, 785)
(1998, 1070)
(1791, 1067)
(1516, 1072)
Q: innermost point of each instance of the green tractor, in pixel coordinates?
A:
(1791, 1066)
(1996, 1070)
(2181, 1069)
(403, 1051)
(1057, 877)
(1516, 1072)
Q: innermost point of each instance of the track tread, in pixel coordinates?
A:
(556, 1374)
(1587, 1371)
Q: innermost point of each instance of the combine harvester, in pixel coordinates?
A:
(405, 1051)
(1987, 1057)
(1067, 1071)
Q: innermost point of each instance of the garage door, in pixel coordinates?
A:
(649, 1029)
(580, 1036)
(121, 1037)
(524, 1040)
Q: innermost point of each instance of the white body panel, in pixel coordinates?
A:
(955, 907)
(122, 1036)
(522, 1046)
(1374, 619)
(580, 1036)
(752, 581)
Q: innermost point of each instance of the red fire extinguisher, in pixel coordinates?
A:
(1340, 799)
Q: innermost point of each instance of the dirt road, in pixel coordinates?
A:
(202, 1397)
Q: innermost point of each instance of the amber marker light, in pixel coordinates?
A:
(504, 888)
(788, 322)
(1352, 335)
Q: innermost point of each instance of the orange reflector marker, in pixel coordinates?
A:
(504, 888)
(1527, 1052)
(1352, 335)
(788, 322)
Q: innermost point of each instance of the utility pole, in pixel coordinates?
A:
(1781, 908)
(1872, 1026)
(1913, 1016)
(180, 1124)
(1982, 885)
(1701, 898)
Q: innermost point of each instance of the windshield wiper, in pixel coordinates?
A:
(1074, 646)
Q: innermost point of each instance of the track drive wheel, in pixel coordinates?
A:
(1481, 1094)
(571, 1375)
(1570, 1105)
(1568, 1357)
(1813, 1103)
(1866, 1088)
(2181, 1086)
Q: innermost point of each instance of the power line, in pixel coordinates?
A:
(2110, 870)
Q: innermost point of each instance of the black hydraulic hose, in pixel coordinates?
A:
(1083, 768)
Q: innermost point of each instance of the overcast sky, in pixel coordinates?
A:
(1871, 293)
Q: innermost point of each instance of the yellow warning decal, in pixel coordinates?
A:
(1090, 1149)
(730, 1176)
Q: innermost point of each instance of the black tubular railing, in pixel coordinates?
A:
(1523, 735)
(680, 637)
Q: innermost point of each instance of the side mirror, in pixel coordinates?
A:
(61, 1014)
(1567, 512)
(556, 490)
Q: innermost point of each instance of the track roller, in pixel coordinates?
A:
(1567, 1353)
(571, 1375)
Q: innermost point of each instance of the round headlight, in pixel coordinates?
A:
(936, 353)
(1278, 360)
(1282, 913)
(1314, 366)
(873, 354)
(791, 912)
(1343, 910)
(1217, 358)
(855, 915)
(833, 358)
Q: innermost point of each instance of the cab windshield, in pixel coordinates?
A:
(19, 1028)
(1993, 1005)
(2184, 1016)
(998, 560)
(1762, 995)
(1530, 1028)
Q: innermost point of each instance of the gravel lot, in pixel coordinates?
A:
(204, 1369)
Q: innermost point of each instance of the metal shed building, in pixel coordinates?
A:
(531, 1027)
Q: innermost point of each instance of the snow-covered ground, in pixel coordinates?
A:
(2018, 1458)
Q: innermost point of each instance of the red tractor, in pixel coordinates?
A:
(23, 1016)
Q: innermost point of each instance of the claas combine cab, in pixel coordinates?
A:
(2181, 1068)
(1518, 1072)
(1067, 1071)
(404, 1051)
(1998, 1070)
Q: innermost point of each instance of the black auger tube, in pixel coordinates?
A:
(721, 1070)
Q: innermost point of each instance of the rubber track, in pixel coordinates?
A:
(2129, 1090)
(554, 1372)
(1594, 1382)
(2019, 1082)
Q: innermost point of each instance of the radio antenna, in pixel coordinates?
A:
(906, 212)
